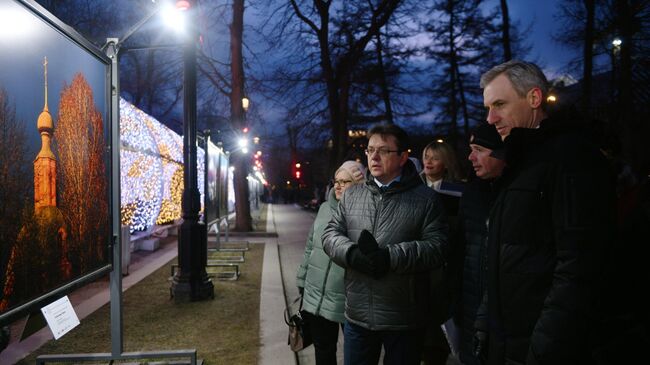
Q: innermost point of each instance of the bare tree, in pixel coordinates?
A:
(14, 181)
(505, 31)
(82, 174)
(243, 218)
(588, 53)
(150, 65)
(626, 21)
(337, 60)
(460, 47)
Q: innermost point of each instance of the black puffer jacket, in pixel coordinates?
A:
(409, 220)
(468, 262)
(548, 230)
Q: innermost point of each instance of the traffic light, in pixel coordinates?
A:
(296, 171)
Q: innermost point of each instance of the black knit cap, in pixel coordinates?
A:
(486, 135)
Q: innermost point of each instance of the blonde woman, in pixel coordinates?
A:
(319, 279)
(440, 164)
(441, 172)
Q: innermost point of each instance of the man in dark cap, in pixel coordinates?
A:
(468, 263)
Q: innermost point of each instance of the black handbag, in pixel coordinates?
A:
(299, 335)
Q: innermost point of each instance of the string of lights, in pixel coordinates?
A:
(151, 170)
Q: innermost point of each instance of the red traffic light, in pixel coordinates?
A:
(245, 130)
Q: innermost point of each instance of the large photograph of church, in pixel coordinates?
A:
(54, 171)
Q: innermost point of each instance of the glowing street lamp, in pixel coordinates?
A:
(616, 43)
(245, 103)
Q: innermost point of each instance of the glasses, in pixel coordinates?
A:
(383, 151)
(342, 183)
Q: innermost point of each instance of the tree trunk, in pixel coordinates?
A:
(243, 220)
(342, 125)
(382, 80)
(463, 101)
(626, 113)
(588, 53)
(453, 104)
(505, 31)
(337, 79)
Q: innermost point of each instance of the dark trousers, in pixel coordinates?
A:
(325, 335)
(435, 349)
(363, 346)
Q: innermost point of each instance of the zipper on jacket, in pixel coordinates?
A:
(371, 315)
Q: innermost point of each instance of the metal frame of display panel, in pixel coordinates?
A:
(111, 60)
(36, 303)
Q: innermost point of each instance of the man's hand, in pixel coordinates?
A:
(481, 346)
(379, 257)
(380, 260)
(367, 242)
(358, 261)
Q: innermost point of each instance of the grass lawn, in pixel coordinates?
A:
(223, 331)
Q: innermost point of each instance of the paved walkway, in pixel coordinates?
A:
(292, 224)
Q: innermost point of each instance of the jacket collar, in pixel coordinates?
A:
(331, 199)
(410, 178)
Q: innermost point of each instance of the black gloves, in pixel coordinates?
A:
(367, 242)
(481, 346)
(359, 262)
(380, 259)
(301, 290)
(370, 259)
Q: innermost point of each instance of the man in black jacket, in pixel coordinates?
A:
(468, 251)
(548, 228)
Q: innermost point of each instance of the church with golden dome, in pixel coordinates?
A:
(45, 163)
(39, 259)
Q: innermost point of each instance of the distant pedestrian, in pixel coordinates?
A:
(548, 229)
(388, 234)
(319, 280)
(468, 249)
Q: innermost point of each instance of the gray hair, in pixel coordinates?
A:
(523, 76)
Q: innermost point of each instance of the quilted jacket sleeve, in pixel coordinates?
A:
(302, 269)
(430, 251)
(335, 240)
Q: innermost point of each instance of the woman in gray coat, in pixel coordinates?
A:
(319, 279)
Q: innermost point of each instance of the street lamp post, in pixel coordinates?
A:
(191, 281)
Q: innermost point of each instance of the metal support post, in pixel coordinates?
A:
(191, 281)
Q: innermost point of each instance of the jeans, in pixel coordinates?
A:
(363, 346)
(325, 335)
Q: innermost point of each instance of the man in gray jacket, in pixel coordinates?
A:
(388, 234)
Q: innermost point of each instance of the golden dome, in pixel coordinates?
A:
(45, 121)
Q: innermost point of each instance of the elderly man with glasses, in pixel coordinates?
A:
(388, 234)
